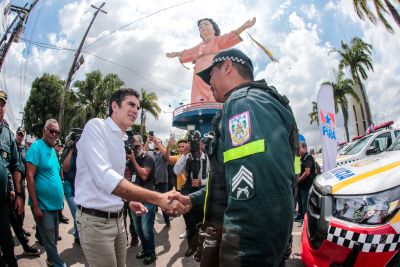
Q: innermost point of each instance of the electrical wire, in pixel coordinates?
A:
(129, 24)
(48, 46)
(23, 81)
(139, 74)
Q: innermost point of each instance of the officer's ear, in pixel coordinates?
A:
(228, 66)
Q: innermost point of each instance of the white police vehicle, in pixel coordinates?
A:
(353, 216)
(371, 144)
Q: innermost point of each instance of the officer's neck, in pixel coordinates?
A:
(236, 86)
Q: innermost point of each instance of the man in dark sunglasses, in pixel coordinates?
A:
(8, 165)
(46, 195)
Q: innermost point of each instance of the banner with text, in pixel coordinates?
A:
(327, 125)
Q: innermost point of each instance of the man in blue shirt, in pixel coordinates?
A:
(45, 189)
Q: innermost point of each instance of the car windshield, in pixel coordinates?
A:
(357, 146)
(395, 145)
(343, 148)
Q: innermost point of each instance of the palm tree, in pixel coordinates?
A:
(148, 102)
(314, 113)
(381, 8)
(357, 57)
(341, 89)
(91, 99)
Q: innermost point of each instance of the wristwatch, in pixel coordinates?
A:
(20, 194)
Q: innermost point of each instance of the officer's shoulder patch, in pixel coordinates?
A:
(243, 186)
(240, 128)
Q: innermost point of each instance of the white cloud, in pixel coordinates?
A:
(281, 10)
(297, 43)
(310, 11)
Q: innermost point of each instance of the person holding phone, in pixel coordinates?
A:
(161, 157)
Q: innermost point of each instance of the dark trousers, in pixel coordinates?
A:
(16, 221)
(302, 197)
(6, 238)
(163, 188)
(192, 218)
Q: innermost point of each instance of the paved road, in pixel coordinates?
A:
(169, 248)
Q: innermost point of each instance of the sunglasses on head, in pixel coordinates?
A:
(51, 131)
(20, 134)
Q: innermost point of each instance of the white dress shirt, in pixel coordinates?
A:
(180, 167)
(100, 165)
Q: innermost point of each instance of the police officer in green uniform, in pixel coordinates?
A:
(9, 165)
(256, 136)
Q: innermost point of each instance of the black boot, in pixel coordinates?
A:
(201, 230)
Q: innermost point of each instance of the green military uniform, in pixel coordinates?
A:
(9, 157)
(22, 150)
(255, 144)
(9, 164)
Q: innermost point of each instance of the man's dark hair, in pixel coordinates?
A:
(303, 145)
(182, 141)
(215, 26)
(119, 96)
(243, 71)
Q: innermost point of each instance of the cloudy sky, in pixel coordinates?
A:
(132, 39)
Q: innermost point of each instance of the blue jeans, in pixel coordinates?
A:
(48, 230)
(72, 207)
(144, 227)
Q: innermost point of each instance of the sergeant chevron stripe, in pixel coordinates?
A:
(243, 175)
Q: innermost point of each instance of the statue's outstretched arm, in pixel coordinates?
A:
(248, 24)
(174, 54)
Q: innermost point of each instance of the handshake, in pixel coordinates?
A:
(172, 202)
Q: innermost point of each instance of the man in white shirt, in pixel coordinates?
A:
(100, 185)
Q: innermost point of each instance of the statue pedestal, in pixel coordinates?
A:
(198, 114)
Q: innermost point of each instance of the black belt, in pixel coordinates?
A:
(100, 213)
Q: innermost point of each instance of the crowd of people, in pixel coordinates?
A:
(234, 187)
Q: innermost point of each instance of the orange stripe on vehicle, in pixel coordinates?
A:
(355, 179)
(396, 218)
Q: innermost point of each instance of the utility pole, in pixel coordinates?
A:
(75, 66)
(20, 19)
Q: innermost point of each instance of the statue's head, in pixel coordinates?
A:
(206, 22)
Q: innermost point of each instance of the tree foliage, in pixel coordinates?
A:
(43, 103)
(148, 103)
(382, 8)
(357, 57)
(341, 89)
(90, 99)
(314, 113)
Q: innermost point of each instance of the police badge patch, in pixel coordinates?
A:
(243, 185)
(240, 128)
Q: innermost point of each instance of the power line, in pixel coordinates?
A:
(135, 71)
(140, 75)
(142, 18)
(47, 45)
(23, 81)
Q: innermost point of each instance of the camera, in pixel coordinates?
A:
(129, 147)
(194, 141)
(73, 137)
